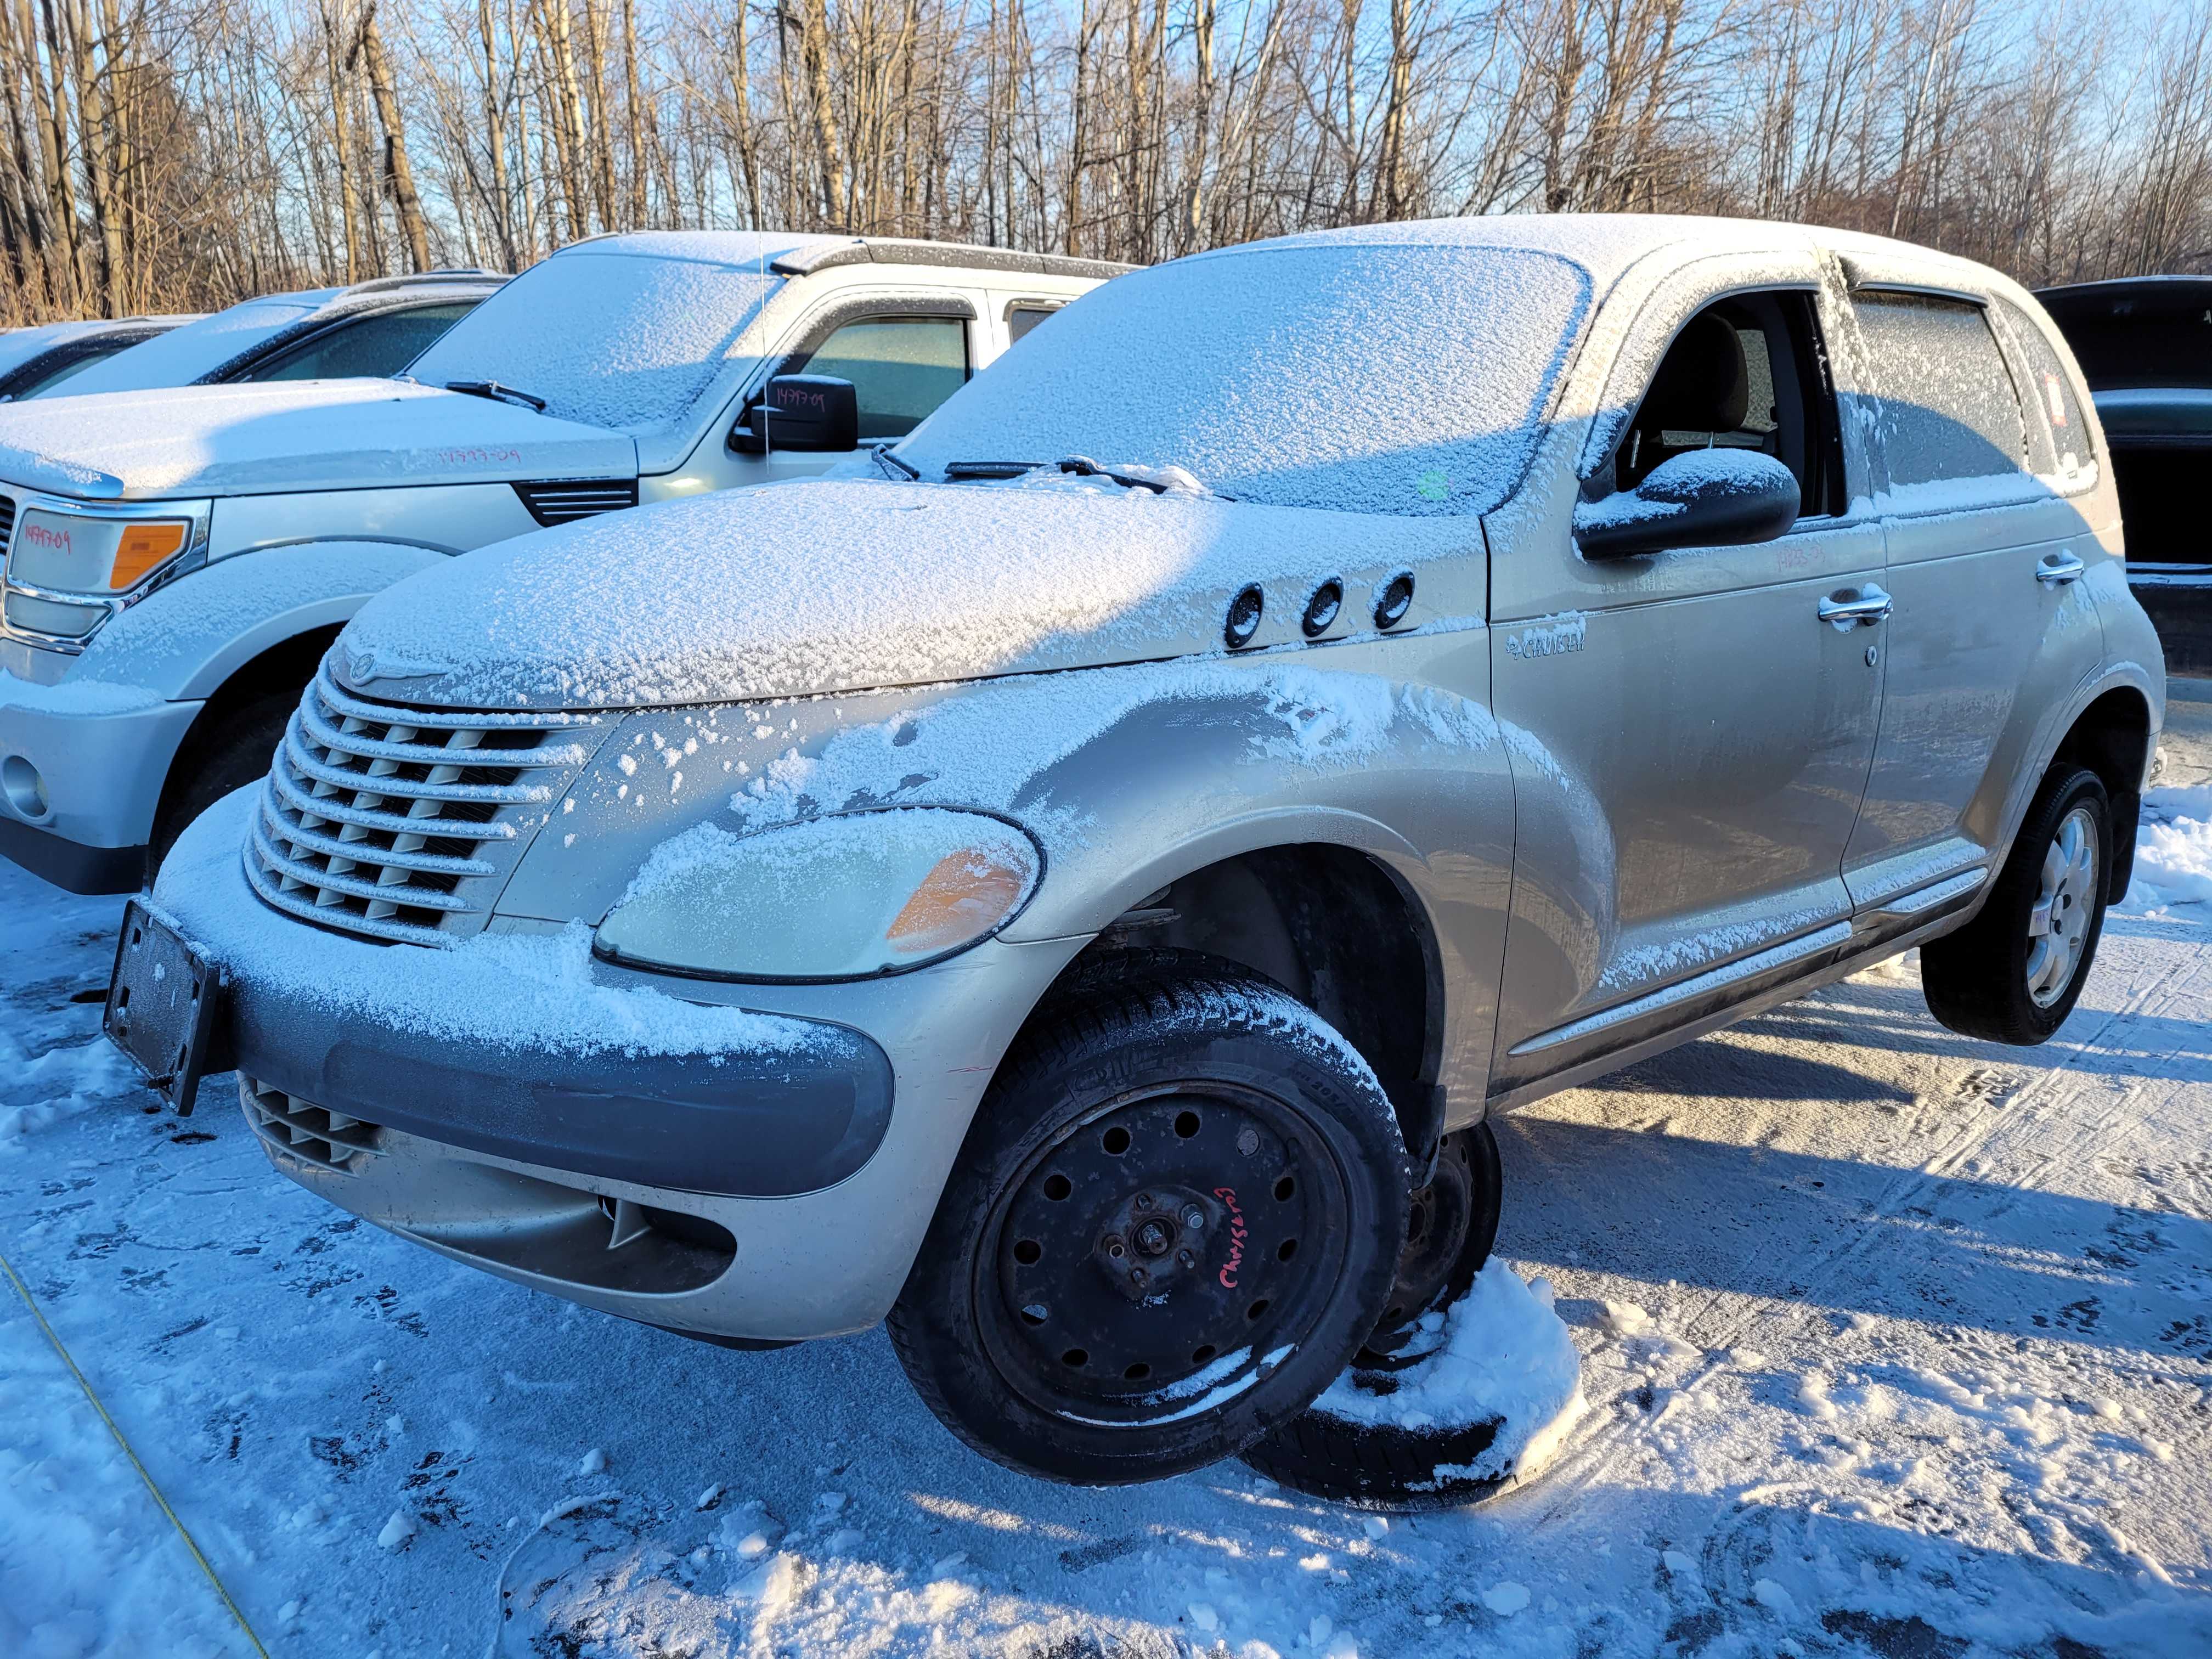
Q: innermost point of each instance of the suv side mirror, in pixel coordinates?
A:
(1707, 498)
(800, 411)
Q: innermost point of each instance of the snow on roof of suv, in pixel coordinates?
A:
(230, 344)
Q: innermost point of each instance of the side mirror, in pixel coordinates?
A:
(800, 411)
(1707, 498)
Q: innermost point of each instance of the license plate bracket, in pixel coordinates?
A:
(162, 1000)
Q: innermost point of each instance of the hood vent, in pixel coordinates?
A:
(577, 498)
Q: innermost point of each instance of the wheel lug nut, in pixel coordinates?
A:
(1144, 1200)
(1192, 1216)
(1187, 1258)
(1138, 1275)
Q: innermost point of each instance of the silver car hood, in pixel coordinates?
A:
(847, 585)
(282, 437)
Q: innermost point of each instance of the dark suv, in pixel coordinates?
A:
(2145, 347)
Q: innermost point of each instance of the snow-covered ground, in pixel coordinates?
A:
(1894, 1344)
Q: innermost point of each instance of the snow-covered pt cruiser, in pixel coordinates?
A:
(1080, 890)
(179, 560)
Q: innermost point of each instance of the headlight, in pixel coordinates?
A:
(76, 554)
(847, 897)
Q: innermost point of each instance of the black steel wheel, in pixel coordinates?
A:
(1173, 1220)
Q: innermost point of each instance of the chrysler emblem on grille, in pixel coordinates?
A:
(361, 666)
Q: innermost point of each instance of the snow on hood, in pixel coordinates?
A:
(836, 585)
(284, 437)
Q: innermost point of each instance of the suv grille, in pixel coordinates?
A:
(304, 1130)
(7, 521)
(402, 824)
(581, 498)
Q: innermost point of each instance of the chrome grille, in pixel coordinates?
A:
(7, 521)
(400, 823)
(301, 1129)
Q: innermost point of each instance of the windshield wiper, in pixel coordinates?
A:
(496, 393)
(886, 460)
(989, 469)
(1084, 467)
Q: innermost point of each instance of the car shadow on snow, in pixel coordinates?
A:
(1867, 1012)
(1717, 1205)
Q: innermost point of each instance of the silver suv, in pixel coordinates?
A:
(1080, 891)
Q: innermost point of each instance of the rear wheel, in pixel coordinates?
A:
(1450, 1225)
(2014, 973)
(1173, 1221)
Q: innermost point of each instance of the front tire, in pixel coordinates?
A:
(233, 751)
(1173, 1221)
(2014, 972)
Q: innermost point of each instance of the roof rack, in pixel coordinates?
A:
(456, 274)
(904, 251)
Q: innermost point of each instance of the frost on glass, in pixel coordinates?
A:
(610, 338)
(183, 354)
(1400, 380)
(1945, 403)
(2058, 438)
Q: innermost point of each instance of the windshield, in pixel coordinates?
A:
(1373, 378)
(183, 355)
(605, 334)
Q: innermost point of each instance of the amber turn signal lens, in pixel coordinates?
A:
(967, 893)
(143, 547)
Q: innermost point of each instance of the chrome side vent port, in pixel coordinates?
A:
(564, 502)
(314, 1134)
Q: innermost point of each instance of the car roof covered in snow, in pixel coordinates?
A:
(212, 347)
(1403, 368)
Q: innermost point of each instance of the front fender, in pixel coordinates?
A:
(1129, 777)
(185, 639)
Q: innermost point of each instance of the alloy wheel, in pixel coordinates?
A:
(2065, 906)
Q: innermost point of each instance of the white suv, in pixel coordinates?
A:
(147, 667)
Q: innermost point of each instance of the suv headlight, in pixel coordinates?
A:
(847, 897)
(84, 555)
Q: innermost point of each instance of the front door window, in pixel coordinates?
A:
(900, 368)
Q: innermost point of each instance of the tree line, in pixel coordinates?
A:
(180, 154)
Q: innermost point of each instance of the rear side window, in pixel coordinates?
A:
(1021, 319)
(377, 347)
(2058, 438)
(1944, 399)
(900, 368)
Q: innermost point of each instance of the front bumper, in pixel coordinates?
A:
(80, 777)
(771, 1124)
(766, 1195)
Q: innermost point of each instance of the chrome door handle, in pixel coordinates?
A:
(1869, 607)
(2059, 568)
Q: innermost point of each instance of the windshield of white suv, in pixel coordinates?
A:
(605, 333)
(1400, 379)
